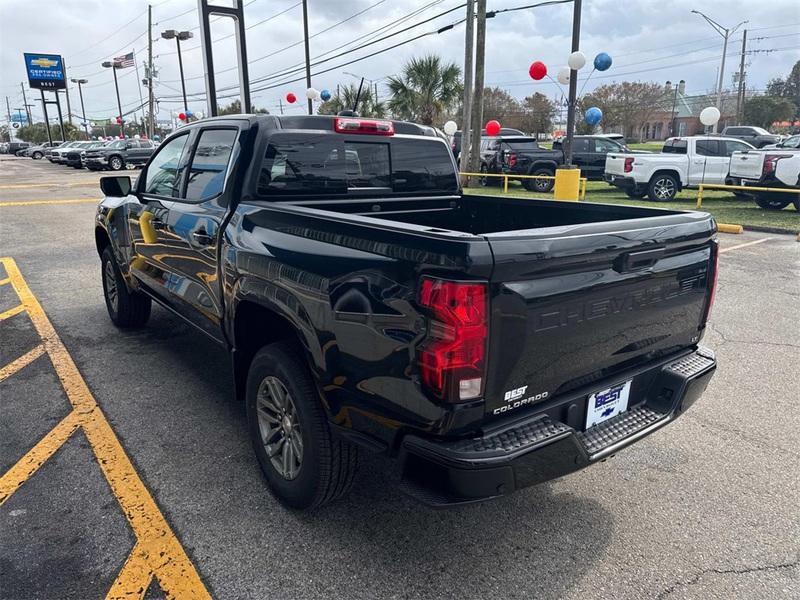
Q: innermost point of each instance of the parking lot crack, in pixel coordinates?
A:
(666, 592)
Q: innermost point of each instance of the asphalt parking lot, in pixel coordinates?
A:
(125, 468)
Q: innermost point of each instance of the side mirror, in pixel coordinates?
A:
(116, 187)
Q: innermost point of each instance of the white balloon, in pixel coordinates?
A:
(136, 137)
(312, 94)
(709, 115)
(576, 60)
(450, 127)
(563, 75)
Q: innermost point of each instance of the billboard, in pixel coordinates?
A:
(45, 71)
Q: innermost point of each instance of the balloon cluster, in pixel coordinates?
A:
(575, 62)
(185, 116)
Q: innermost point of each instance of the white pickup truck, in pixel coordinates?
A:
(683, 162)
(770, 168)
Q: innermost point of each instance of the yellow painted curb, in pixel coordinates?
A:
(727, 228)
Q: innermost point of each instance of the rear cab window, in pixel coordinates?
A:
(310, 164)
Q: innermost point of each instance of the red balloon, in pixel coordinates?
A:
(182, 116)
(538, 70)
(493, 127)
(291, 98)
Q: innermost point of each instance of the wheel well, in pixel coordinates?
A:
(101, 239)
(674, 174)
(255, 326)
(543, 167)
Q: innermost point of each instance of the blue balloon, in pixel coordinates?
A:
(189, 113)
(593, 115)
(325, 95)
(602, 62)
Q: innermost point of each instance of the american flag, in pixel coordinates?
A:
(124, 61)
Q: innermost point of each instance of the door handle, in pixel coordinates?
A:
(202, 237)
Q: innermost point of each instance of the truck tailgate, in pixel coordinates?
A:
(747, 165)
(577, 304)
(615, 163)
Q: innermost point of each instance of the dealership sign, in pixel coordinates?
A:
(45, 71)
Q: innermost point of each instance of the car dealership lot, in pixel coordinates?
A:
(707, 508)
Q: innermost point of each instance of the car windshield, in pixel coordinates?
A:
(792, 142)
(760, 131)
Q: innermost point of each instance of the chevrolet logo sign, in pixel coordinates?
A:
(45, 63)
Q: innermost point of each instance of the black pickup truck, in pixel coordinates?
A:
(367, 305)
(119, 154)
(522, 155)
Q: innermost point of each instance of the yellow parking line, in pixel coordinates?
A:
(22, 362)
(23, 186)
(33, 202)
(11, 312)
(156, 546)
(5, 281)
(753, 243)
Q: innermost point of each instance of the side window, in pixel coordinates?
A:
(732, 147)
(580, 145)
(145, 143)
(708, 148)
(210, 163)
(162, 176)
(605, 146)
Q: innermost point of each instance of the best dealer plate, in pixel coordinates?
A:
(608, 403)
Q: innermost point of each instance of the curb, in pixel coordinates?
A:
(728, 228)
(766, 229)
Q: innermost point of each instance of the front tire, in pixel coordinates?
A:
(115, 163)
(127, 309)
(539, 185)
(36, 156)
(304, 464)
(662, 188)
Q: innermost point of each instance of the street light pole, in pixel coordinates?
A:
(308, 57)
(573, 83)
(179, 37)
(83, 110)
(114, 66)
(725, 32)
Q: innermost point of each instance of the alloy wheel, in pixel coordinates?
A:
(664, 189)
(279, 425)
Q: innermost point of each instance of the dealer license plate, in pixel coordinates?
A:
(608, 403)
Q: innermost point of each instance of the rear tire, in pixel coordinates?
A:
(305, 465)
(663, 187)
(127, 309)
(539, 185)
(774, 200)
(488, 181)
(638, 194)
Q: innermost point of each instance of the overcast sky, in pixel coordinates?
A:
(649, 40)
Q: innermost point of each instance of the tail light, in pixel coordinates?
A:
(364, 126)
(628, 165)
(714, 266)
(770, 163)
(452, 360)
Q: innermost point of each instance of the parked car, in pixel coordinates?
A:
(37, 151)
(523, 156)
(73, 156)
(57, 153)
(49, 150)
(119, 154)
(3, 147)
(788, 143)
(16, 147)
(487, 343)
(683, 162)
(772, 169)
(756, 136)
(456, 141)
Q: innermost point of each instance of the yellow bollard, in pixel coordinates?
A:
(505, 184)
(700, 196)
(568, 184)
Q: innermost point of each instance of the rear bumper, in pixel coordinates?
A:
(541, 447)
(620, 181)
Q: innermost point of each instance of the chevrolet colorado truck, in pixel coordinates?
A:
(367, 305)
(770, 169)
(684, 162)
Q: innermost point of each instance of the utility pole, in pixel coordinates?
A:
(573, 83)
(740, 93)
(280, 103)
(726, 33)
(477, 98)
(466, 125)
(25, 102)
(308, 58)
(8, 112)
(66, 91)
(151, 126)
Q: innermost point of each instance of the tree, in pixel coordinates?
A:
(37, 132)
(629, 104)
(763, 111)
(426, 89)
(235, 108)
(787, 88)
(539, 112)
(346, 100)
(498, 104)
(5, 136)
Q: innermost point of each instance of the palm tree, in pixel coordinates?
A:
(367, 106)
(425, 89)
